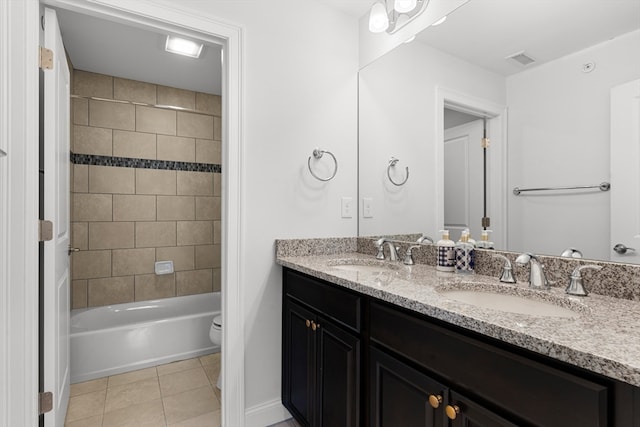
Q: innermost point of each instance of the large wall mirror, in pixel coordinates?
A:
(425, 106)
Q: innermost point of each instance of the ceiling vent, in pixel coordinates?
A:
(521, 58)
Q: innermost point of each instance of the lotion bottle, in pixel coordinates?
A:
(446, 253)
(465, 255)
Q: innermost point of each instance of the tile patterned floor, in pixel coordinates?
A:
(179, 394)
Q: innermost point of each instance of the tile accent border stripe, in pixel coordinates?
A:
(126, 162)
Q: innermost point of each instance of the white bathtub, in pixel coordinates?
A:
(125, 337)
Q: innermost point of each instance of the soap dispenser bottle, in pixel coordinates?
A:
(469, 239)
(484, 242)
(465, 255)
(446, 253)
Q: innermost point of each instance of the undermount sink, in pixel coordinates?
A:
(509, 303)
(363, 265)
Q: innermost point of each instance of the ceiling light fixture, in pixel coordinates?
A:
(183, 47)
(390, 19)
(439, 21)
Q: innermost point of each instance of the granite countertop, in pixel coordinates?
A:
(603, 336)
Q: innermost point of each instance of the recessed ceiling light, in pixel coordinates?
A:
(183, 47)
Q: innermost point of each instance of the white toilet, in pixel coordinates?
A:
(215, 334)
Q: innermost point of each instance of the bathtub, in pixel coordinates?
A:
(124, 337)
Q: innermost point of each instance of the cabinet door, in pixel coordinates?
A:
(298, 358)
(402, 396)
(463, 412)
(338, 365)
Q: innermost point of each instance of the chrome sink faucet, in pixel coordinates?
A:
(576, 286)
(393, 250)
(537, 279)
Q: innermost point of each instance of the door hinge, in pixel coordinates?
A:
(485, 142)
(45, 230)
(46, 58)
(45, 402)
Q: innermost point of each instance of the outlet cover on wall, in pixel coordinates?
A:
(367, 207)
(347, 207)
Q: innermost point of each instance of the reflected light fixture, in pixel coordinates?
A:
(183, 47)
(383, 18)
(439, 21)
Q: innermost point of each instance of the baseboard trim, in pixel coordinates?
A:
(266, 414)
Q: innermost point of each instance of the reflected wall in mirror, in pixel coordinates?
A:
(549, 123)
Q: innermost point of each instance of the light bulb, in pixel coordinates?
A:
(404, 6)
(378, 18)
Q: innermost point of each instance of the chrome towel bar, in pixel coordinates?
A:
(605, 186)
(317, 154)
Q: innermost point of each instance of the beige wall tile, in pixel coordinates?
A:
(155, 120)
(152, 286)
(217, 280)
(133, 90)
(134, 207)
(195, 183)
(92, 84)
(92, 207)
(81, 111)
(217, 232)
(182, 256)
(89, 140)
(80, 178)
(208, 208)
(135, 145)
(194, 282)
(208, 151)
(109, 179)
(195, 125)
(217, 129)
(210, 104)
(111, 235)
(176, 97)
(154, 234)
(217, 184)
(91, 264)
(154, 181)
(176, 208)
(114, 115)
(78, 294)
(176, 148)
(195, 233)
(80, 235)
(128, 262)
(112, 290)
(208, 256)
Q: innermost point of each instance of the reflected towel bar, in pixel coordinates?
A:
(605, 186)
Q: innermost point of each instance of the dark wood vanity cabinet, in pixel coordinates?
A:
(424, 372)
(321, 352)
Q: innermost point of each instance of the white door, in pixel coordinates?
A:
(463, 179)
(56, 209)
(625, 171)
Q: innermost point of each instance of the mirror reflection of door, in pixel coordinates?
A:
(463, 173)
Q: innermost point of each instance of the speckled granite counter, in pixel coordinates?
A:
(603, 337)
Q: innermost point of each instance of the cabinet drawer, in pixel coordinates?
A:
(337, 304)
(531, 391)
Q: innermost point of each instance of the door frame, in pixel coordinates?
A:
(497, 154)
(20, 109)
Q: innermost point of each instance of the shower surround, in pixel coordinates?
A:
(145, 188)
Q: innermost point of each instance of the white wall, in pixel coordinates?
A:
(559, 136)
(300, 93)
(397, 118)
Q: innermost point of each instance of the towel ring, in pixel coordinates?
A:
(392, 162)
(317, 154)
